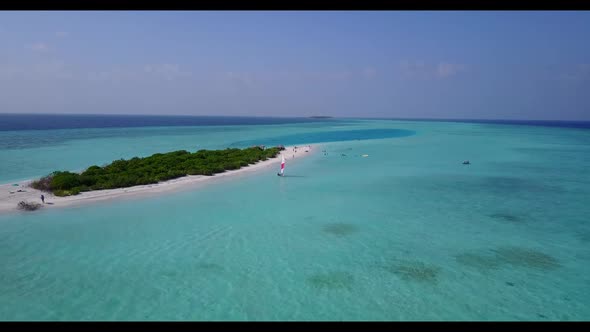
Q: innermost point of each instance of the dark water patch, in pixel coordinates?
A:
(505, 185)
(467, 186)
(332, 280)
(169, 274)
(508, 283)
(508, 256)
(327, 136)
(209, 266)
(413, 270)
(583, 236)
(478, 261)
(565, 173)
(524, 257)
(515, 185)
(512, 218)
(340, 229)
(524, 166)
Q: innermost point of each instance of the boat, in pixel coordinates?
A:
(281, 172)
(466, 162)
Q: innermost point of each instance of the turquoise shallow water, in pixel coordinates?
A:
(408, 233)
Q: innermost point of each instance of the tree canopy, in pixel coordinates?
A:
(153, 169)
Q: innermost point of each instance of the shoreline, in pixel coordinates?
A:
(10, 196)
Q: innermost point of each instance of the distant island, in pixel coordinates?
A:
(153, 169)
(321, 117)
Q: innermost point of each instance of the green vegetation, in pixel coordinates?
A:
(152, 169)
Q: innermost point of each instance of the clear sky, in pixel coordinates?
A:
(473, 64)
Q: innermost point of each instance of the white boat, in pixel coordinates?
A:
(281, 172)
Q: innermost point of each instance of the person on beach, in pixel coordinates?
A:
(43, 199)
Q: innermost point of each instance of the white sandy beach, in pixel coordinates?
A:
(10, 195)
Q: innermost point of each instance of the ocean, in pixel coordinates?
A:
(407, 233)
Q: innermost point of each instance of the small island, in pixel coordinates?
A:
(321, 117)
(153, 169)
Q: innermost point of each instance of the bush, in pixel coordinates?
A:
(87, 180)
(64, 180)
(43, 184)
(93, 171)
(28, 206)
(71, 192)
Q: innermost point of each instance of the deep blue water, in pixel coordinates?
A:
(75, 121)
(12, 122)
(541, 123)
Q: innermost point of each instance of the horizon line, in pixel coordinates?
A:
(304, 117)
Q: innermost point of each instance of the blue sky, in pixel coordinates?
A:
(475, 64)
